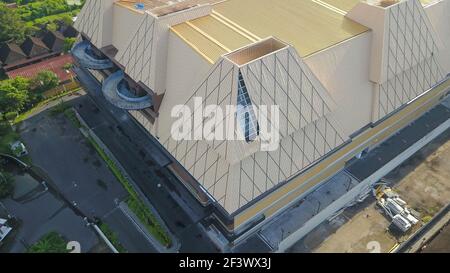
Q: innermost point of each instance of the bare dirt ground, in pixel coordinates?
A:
(427, 187)
(423, 181)
(365, 232)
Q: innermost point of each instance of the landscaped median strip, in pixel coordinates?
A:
(135, 204)
(112, 237)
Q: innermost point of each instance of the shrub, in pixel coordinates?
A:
(11, 115)
(50, 243)
(6, 185)
(45, 80)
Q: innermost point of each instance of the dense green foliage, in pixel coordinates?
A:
(20, 94)
(7, 136)
(68, 44)
(50, 243)
(14, 95)
(39, 9)
(6, 184)
(12, 28)
(32, 15)
(45, 80)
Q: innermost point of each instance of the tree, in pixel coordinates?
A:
(66, 20)
(12, 27)
(68, 44)
(45, 80)
(68, 66)
(14, 95)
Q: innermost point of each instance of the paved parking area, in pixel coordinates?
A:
(58, 148)
(43, 214)
(79, 174)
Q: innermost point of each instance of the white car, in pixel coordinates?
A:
(19, 149)
(4, 229)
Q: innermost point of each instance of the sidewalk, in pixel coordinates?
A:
(143, 230)
(426, 233)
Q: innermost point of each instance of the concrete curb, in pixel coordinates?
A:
(105, 239)
(142, 229)
(87, 132)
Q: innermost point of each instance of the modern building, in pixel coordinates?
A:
(345, 74)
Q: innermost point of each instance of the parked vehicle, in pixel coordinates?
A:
(19, 149)
(4, 229)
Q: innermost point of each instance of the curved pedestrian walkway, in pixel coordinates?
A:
(85, 57)
(117, 93)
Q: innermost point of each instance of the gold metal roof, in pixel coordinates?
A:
(308, 25)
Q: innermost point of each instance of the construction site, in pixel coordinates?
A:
(422, 183)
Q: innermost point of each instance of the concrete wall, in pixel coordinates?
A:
(125, 24)
(344, 71)
(95, 20)
(440, 20)
(405, 41)
(185, 70)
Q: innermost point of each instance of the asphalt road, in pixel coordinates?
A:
(441, 243)
(143, 160)
(395, 145)
(80, 175)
